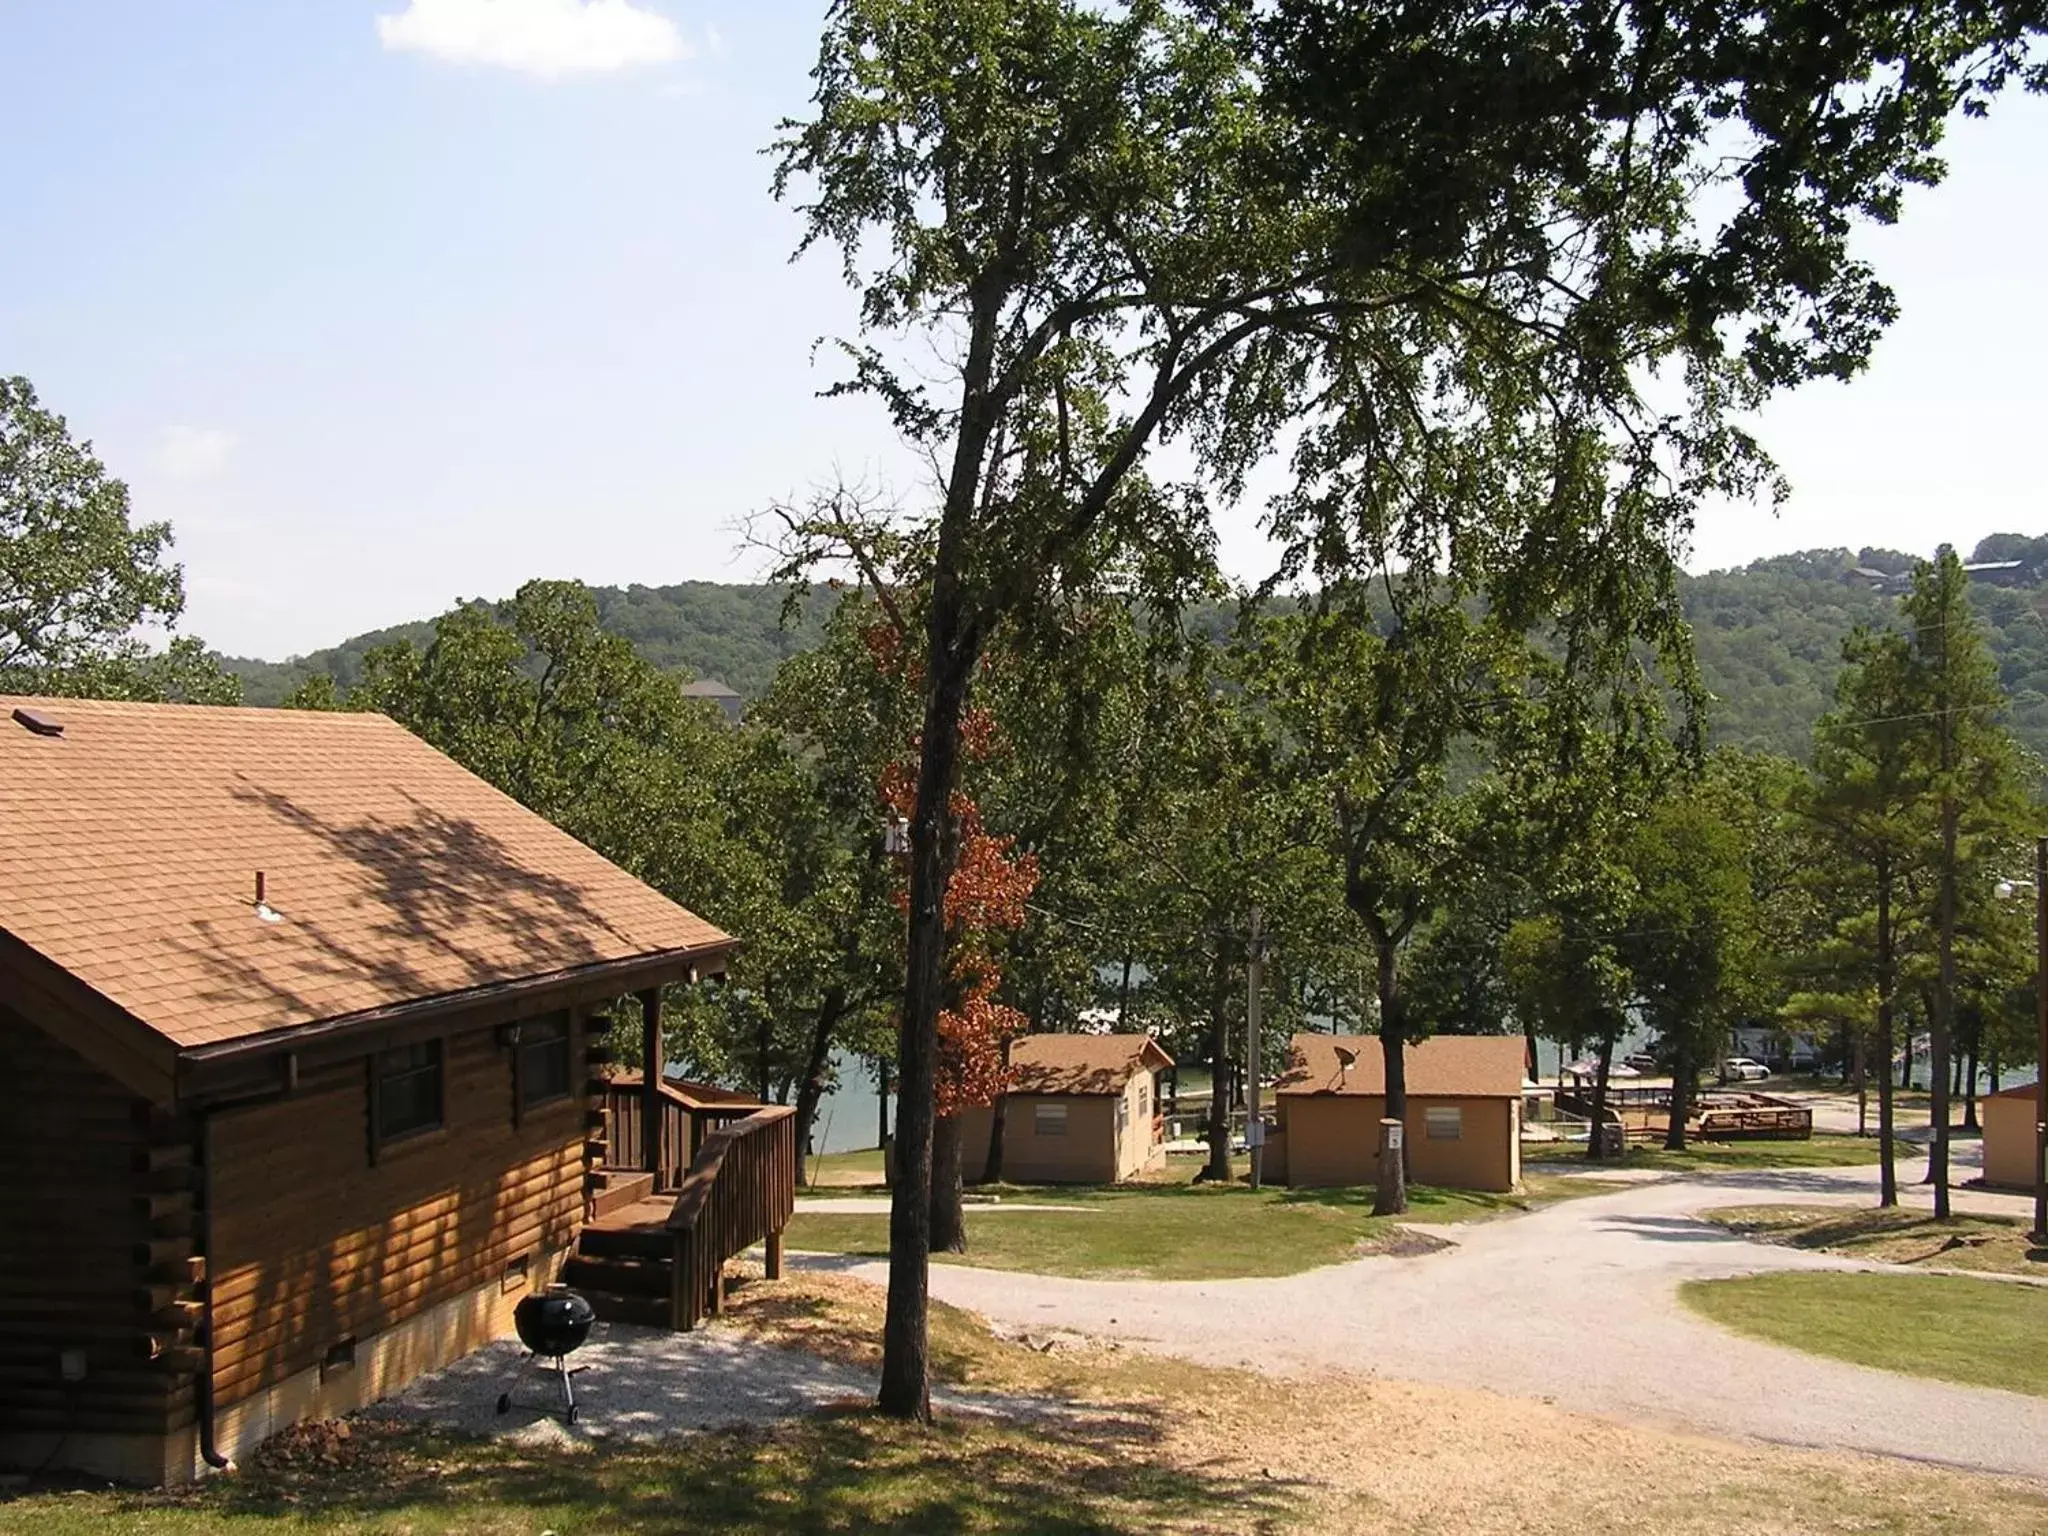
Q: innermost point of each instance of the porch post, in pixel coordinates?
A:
(651, 1071)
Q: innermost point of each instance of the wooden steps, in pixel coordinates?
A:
(617, 1190)
(624, 1258)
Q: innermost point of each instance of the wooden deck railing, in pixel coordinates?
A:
(741, 1189)
(686, 1119)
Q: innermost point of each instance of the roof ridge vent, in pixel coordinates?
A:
(38, 722)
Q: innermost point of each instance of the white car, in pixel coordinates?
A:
(1741, 1069)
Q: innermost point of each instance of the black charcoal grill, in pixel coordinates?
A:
(552, 1326)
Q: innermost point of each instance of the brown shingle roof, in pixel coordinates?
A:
(1081, 1063)
(1447, 1066)
(129, 848)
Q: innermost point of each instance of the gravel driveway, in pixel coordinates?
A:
(1576, 1304)
(636, 1383)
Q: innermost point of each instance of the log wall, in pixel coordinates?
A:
(315, 1244)
(97, 1257)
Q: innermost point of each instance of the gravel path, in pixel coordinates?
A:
(1575, 1304)
(636, 1383)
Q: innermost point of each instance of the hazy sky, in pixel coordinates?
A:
(388, 302)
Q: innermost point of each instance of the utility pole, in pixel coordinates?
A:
(1254, 1127)
(2040, 1234)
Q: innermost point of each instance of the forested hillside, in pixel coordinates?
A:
(706, 628)
(1769, 636)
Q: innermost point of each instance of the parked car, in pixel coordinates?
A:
(1642, 1061)
(1741, 1069)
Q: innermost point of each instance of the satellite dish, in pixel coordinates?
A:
(1346, 1057)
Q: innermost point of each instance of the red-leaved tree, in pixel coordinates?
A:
(984, 903)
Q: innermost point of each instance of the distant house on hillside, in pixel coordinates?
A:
(1082, 1109)
(710, 688)
(1464, 1111)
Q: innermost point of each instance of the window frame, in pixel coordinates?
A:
(1046, 1114)
(549, 1030)
(381, 1076)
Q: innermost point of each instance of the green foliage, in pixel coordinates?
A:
(704, 629)
(78, 579)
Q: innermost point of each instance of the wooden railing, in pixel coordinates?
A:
(740, 1190)
(686, 1119)
(1645, 1114)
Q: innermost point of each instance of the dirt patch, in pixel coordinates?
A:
(1399, 1243)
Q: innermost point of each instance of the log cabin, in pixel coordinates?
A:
(300, 1077)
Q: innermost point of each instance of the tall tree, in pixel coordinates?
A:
(79, 579)
(1973, 780)
(1694, 937)
(1867, 798)
(1368, 726)
(1449, 243)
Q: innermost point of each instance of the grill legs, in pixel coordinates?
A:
(562, 1374)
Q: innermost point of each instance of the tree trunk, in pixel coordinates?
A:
(831, 1008)
(1940, 1035)
(1862, 1086)
(1599, 1117)
(1684, 1075)
(1529, 1050)
(882, 1101)
(1218, 1170)
(1970, 1092)
(1123, 993)
(906, 1379)
(949, 1220)
(998, 1118)
(1888, 1173)
(1391, 1198)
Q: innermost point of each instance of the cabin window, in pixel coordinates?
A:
(543, 1062)
(408, 1090)
(1443, 1123)
(1123, 1116)
(1049, 1120)
(1145, 1098)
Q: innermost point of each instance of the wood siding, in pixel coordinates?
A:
(96, 1188)
(1086, 1154)
(1332, 1140)
(314, 1244)
(2009, 1142)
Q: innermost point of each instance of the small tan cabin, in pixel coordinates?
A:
(1463, 1127)
(1082, 1109)
(2009, 1144)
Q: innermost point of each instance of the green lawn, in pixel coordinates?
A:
(1821, 1151)
(844, 1172)
(1983, 1333)
(1177, 1231)
(1994, 1244)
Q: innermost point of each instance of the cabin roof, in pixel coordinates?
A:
(1057, 1064)
(1444, 1066)
(709, 688)
(130, 847)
